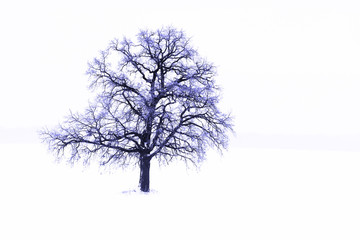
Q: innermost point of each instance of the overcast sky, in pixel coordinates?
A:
(286, 67)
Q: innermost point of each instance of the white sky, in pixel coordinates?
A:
(286, 67)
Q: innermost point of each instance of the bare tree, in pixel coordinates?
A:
(157, 98)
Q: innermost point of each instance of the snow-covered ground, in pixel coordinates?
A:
(245, 194)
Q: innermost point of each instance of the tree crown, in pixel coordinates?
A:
(156, 98)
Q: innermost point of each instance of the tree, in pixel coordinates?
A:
(156, 98)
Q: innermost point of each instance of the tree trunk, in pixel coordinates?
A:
(144, 173)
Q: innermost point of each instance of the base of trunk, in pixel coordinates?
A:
(144, 174)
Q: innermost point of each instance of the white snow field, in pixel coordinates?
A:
(244, 194)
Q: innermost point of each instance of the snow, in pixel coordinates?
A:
(245, 194)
